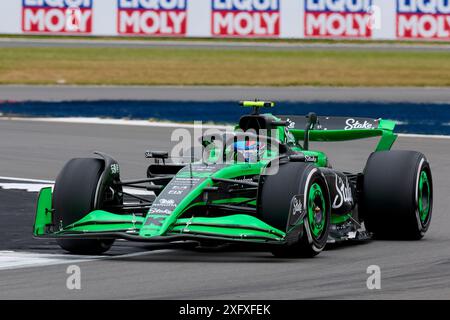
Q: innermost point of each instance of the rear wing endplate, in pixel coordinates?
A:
(334, 129)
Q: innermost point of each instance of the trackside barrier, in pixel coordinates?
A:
(296, 19)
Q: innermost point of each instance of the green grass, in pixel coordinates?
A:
(168, 66)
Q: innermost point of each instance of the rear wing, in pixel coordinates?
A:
(334, 129)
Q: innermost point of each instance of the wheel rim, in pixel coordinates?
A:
(316, 210)
(424, 196)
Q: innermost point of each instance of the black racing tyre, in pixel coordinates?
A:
(297, 180)
(73, 198)
(86, 246)
(397, 199)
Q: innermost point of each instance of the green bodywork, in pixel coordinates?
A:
(424, 196)
(316, 208)
(384, 131)
(238, 227)
(43, 212)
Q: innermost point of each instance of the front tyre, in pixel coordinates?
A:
(75, 195)
(304, 185)
(397, 201)
(86, 246)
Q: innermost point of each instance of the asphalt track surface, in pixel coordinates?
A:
(409, 270)
(227, 45)
(219, 93)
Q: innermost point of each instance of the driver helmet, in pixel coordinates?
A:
(247, 151)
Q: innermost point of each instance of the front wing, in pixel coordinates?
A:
(102, 224)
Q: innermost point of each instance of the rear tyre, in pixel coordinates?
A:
(297, 182)
(74, 196)
(397, 201)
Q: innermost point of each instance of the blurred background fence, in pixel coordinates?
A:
(288, 19)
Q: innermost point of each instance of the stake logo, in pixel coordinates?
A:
(57, 16)
(152, 17)
(246, 18)
(423, 19)
(338, 18)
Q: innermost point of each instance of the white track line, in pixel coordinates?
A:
(144, 123)
(35, 185)
(10, 260)
(27, 180)
(29, 187)
(423, 136)
(16, 260)
(121, 122)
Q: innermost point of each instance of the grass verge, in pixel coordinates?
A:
(169, 66)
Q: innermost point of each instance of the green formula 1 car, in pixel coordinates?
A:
(256, 185)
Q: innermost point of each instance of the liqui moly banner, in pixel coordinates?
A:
(337, 18)
(152, 17)
(296, 19)
(423, 19)
(246, 18)
(57, 16)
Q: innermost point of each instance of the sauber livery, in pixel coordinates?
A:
(259, 185)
